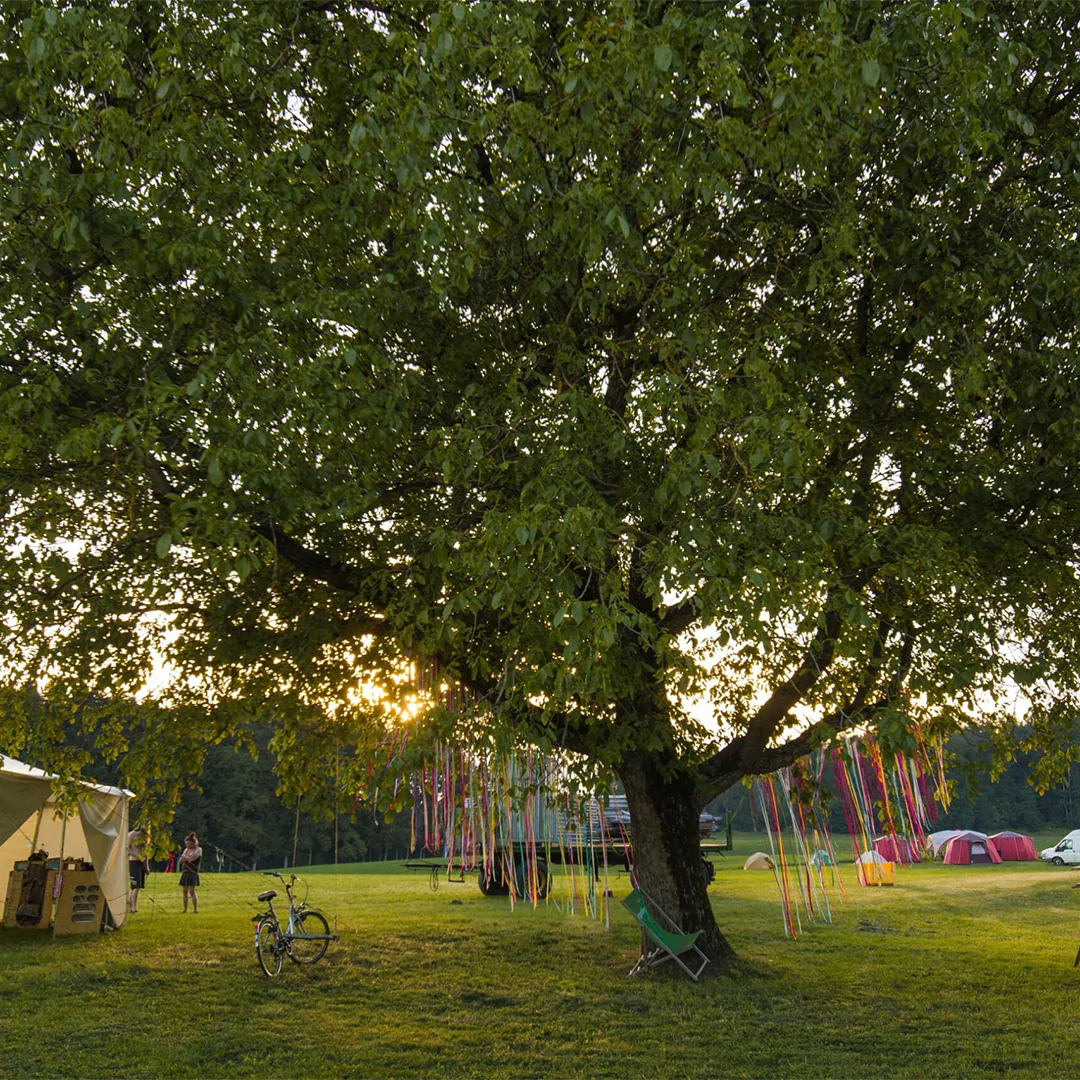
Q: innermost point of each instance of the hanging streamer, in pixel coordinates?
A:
(887, 803)
(508, 815)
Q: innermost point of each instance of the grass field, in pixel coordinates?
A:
(956, 972)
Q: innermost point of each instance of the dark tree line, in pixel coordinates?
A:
(237, 807)
(236, 810)
(1009, 802)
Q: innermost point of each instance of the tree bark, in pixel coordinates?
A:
(662, 798)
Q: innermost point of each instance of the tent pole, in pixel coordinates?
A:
(37, 831)
(60, 872)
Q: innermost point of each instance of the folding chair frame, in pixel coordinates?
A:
(654, 949)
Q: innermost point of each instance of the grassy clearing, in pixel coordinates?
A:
(957, 972)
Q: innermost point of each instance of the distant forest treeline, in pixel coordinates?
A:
(238, 813)
(244, 824)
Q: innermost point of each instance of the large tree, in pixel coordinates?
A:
(603, 353)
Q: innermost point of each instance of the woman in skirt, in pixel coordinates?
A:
(137, 841)
(190, 863)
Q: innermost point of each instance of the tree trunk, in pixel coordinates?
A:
(661, 797)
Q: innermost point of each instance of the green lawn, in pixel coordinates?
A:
(956, 972)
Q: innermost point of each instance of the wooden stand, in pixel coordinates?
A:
(14, 898)
(81, 904)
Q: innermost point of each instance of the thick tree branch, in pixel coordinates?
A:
(680, 617)
(331, 572)
(768, 718)
(731, 764)
(742, 755)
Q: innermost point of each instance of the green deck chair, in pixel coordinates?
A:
(659, 946)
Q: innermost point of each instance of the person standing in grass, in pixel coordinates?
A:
(137, 840)
(189, 864)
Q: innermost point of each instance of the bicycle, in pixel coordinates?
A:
(305, 938)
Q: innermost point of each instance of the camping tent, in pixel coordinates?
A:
(821, 858)
(29, 822)
(897, 849)
(759, 861)
(970, 847)
(1014, 846)
(935, 841)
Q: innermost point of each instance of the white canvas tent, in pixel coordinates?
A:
(98, 833)
(759, 861)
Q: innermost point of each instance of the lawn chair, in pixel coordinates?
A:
(659, 946)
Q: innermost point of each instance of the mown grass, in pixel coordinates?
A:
(956, 972)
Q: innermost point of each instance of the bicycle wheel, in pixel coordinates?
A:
(308, 951)
(269, 947)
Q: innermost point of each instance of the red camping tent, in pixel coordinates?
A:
(970, 847)
(1014, 846)
(896, 849)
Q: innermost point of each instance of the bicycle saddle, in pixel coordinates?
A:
(268, 895)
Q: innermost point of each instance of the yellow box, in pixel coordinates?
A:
(876, 873)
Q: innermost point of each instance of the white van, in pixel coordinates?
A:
(1067, 850)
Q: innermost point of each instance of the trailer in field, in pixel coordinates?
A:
(525, 866)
